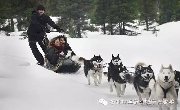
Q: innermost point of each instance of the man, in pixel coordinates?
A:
(36, 32)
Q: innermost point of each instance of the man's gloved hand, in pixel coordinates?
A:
(60, 30)
(47, 31)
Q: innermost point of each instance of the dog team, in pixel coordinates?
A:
(165, 85)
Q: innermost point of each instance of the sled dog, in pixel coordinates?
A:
(142, 77)
(117, 75)
(177, 81)
(165, 87)
(94, 68)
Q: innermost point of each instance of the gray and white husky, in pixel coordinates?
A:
(165, 88)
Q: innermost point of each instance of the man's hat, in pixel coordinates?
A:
(40, 7)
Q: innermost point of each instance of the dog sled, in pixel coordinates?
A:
(64, 65)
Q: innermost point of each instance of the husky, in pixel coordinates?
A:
(94, 68)
(165, 87)
(142, 77)
(177, 81)
(117, 75)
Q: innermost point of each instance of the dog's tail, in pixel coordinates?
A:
(78, 59)
(81, 60)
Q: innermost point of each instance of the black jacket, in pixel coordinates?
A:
(53, 53)
(38, 26)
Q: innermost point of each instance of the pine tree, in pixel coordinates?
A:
(124, 11)
(73, 13)
(148, 11)
(168, 10)
(178, 10)
(99, 13)
(19, 9)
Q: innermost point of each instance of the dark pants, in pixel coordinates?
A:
(177, 90)
(39, 57)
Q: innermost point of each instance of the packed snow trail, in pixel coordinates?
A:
(27, 86)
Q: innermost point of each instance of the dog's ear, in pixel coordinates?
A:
(118, 55)
(99, 55)
(112, 56)
(162, 67)
(175, 71)
(94, 56)
(149, 66)
(170, 67)
(140, 67)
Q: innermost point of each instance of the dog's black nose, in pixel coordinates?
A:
(148, 75)
(166, 78)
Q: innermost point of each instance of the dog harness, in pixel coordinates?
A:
(166, 90)
(96, 69)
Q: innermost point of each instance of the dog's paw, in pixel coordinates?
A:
(177, 86)
(118, 95)
(96, 84)
(152, 84)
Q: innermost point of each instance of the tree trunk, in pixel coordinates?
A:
(78, 32)
(12, 25)
(120, 28)
(147, 24)
(19, 26)
(72, 31)
(111, 29)
(146, 16)
(104, 28)
(78, 27)
(123, 25)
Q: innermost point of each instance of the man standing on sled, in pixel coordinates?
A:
(36, 32)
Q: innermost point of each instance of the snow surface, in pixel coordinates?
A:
(27, 86)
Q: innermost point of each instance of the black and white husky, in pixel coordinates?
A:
(177, 81)
(94, 68)
(142, 78)
(165, 88)
(117, 75)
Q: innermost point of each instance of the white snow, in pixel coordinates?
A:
(27, 86)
